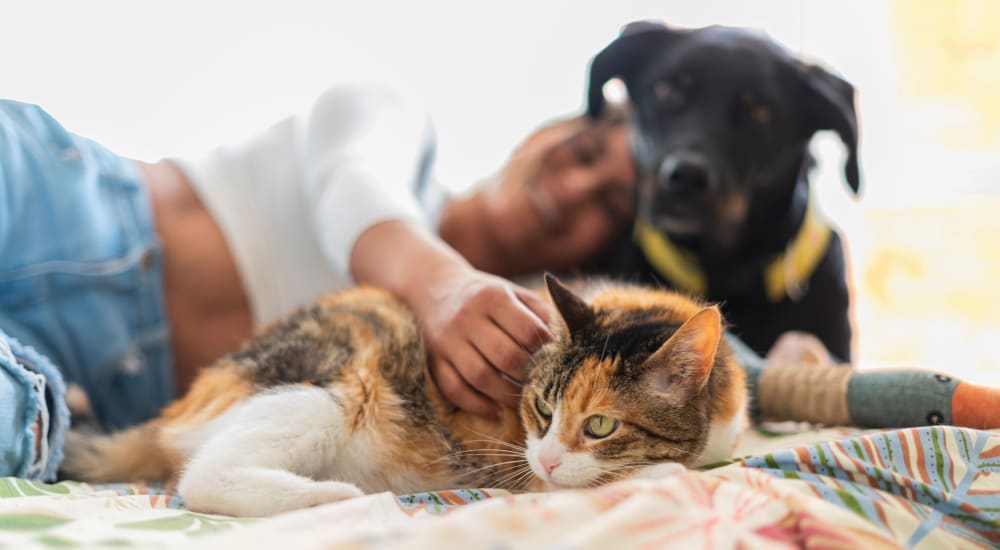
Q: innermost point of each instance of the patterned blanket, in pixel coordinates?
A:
(933, 487)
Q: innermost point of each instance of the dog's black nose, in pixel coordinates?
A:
(688, 175)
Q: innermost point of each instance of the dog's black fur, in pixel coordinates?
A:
(720, 122)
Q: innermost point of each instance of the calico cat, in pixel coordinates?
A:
(335, 401)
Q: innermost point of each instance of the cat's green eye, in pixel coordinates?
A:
(601, 426)
(543, 407)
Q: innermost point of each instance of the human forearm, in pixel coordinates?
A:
(400, 256)
(465, 226)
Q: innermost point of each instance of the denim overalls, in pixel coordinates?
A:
(80, 284)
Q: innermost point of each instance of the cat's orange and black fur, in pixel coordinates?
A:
(336, 400)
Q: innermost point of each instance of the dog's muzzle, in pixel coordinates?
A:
(680, 189)
(685, 174)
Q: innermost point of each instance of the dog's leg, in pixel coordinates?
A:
(260, 458)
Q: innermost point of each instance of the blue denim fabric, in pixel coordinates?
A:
(80, 265)
(30, 388)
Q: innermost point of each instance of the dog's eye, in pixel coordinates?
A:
(663, 90)
(762, 115)
(755, 109)
(666, 93)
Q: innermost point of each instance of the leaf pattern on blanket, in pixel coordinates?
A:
(14, 487)
(938, 476)
(30, 522)
(188, 522)
(933, 487)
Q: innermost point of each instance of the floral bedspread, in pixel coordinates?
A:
(932, 487)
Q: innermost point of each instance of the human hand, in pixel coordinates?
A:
(480, 331)
(475, 326)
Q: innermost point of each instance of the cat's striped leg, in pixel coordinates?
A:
(263, 456)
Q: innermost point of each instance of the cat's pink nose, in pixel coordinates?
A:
(549, 463)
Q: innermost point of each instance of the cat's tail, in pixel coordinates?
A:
(134, 454)
(150, 451)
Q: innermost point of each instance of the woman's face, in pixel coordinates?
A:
(567, 191)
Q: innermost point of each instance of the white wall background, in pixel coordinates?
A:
(164, 78)
(152, 79)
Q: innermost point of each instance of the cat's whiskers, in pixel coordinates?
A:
(492, 478)
(519, 482)
(620, 472)
(600, 480)
(519, 475)
(615, 473)
(635, 464)
(491, 439)
(623, 471)
(508, 472)
(479, 453)
(491, 466)
(489, 450)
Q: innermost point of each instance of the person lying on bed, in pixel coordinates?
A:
(125, 277)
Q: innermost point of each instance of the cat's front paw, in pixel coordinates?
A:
(659, 471)
(325, 492)
(248, 496)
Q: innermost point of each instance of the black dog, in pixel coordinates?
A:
(720, 122)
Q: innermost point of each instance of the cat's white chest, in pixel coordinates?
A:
(722, 438)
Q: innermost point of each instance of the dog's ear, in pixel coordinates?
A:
(624, 57)
(830, 106)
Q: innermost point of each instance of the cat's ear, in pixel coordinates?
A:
(684, 362)
(574, 311)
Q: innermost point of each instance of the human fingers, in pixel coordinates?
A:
(476, 371)
(501, 351)
(542, 310)
(455, 389)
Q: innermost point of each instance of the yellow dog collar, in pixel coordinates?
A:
(784, 275)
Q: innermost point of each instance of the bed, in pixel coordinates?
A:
(793, 486)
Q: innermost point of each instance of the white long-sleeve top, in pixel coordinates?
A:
(292, 201)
